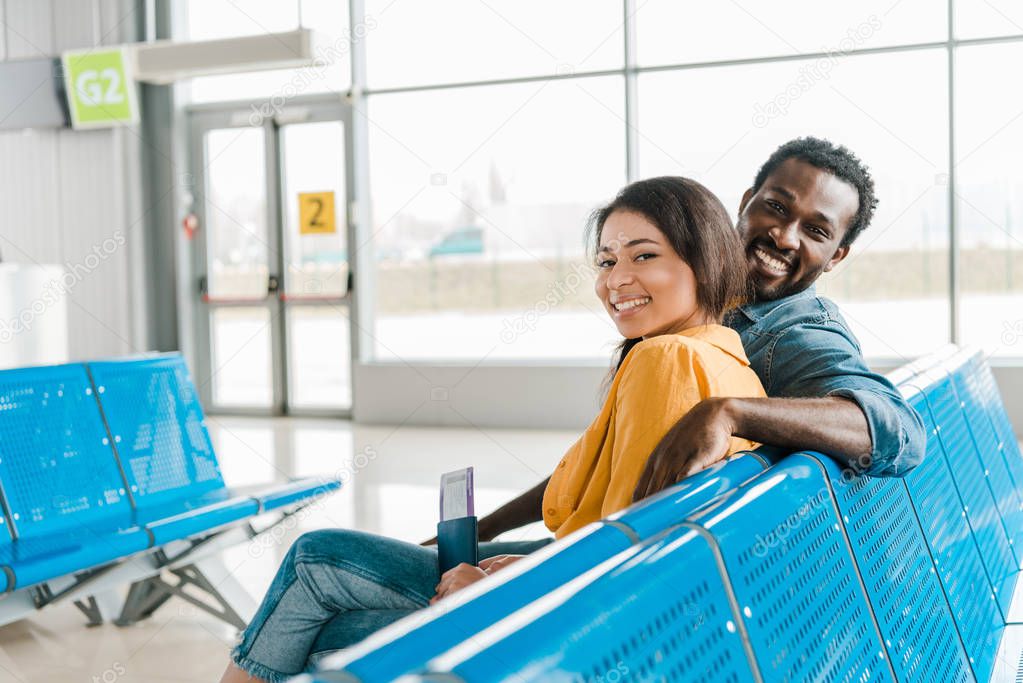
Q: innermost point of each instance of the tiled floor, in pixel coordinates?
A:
(391, 479)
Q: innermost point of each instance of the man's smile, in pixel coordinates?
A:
(769, 262)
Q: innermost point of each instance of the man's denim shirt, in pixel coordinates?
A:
(801, 347)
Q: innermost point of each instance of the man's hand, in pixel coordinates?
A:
(696, 442)
(457, 578)
(833, 425)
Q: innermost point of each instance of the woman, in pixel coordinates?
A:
(669, 264)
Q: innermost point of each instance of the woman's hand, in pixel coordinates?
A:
(457, 578)
(498, 562)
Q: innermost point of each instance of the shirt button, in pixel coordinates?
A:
(551, 511)
(561, 464)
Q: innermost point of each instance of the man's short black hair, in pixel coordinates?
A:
(835, 159)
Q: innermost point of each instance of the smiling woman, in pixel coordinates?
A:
(645, 286)
(662, 236)
(670, 265)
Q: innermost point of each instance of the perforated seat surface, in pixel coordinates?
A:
(983, 391)
(1008, 443)
(971, 481)
(66, 494)
(779, 537)
(671, 506)
(158, 428)
(919, 632)
(956, 555)
(160, 435)
(408, 646)
(658, 611)
(996, 469)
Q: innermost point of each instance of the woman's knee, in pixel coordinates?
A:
(409, 568)
(329, 543)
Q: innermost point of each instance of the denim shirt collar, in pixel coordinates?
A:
(758, 309)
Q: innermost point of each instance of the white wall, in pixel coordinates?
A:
(515, 396)
(63, 193)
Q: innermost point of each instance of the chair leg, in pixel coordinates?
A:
(100, 607)
(144, 598)
(220, 594)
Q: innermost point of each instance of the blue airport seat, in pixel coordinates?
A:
(33, 559)
(953, 547)
(645, 519)
(963, 370)
(835, 576)
(672, 505)
(159, 432)
(196, 516)
(971, 478)
(159, 435)
(904, 591)
(69, 508)
(794, 580)
(406, 647)
(283, 495)
(995, 436)
(171, 455)
(657, 611)
(992, 400)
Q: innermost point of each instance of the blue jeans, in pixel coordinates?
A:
(357, 582)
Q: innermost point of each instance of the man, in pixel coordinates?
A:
(808, 204)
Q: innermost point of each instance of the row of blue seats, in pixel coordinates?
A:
(102, 461)
(772, 566)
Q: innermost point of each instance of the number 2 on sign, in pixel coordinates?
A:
(316, 213)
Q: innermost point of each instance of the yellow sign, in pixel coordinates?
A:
(316, 213)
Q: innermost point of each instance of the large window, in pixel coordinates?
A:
(473, 40)
(988, 18)
(494, 128)
(479, 202)
(989, 200)
(684, 31)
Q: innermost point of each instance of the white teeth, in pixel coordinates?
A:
(631, 303)
(772, 262)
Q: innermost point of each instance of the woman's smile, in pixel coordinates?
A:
(628, 305)
(637, 265)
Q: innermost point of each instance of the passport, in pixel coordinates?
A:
(457, 533)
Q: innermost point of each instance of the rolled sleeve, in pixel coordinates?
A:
(896, 431)
(822, 360)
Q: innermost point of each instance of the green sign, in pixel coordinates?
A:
(100, 88)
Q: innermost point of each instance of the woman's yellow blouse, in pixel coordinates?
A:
(660, 380)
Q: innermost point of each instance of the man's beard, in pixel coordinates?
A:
(786, 287)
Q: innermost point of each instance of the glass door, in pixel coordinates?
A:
(317, 280)
(271, 248)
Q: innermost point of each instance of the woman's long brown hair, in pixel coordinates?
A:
(698, 227)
